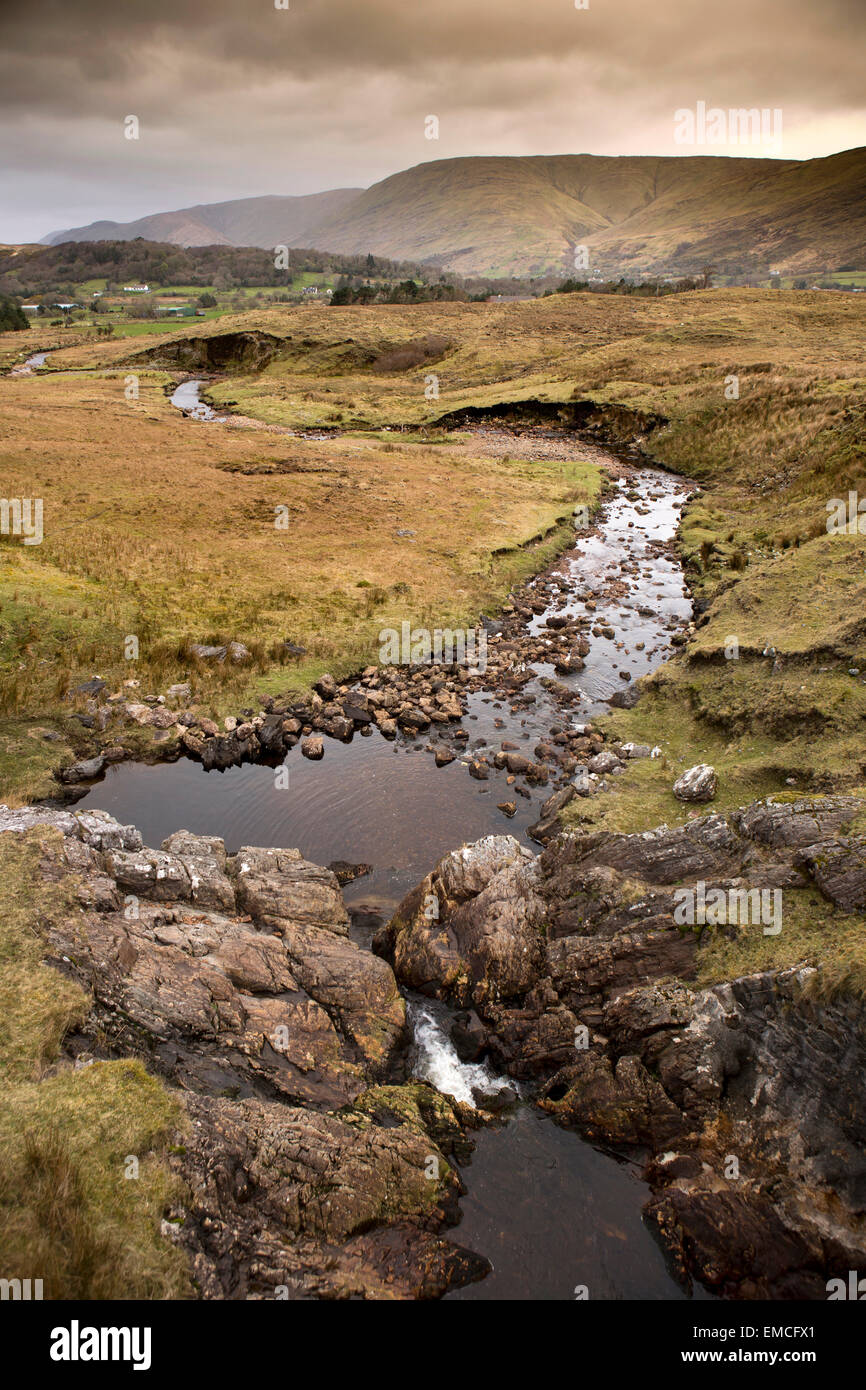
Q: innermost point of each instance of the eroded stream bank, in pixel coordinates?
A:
(549, 1211)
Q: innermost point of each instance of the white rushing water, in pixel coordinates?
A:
(435, 1060)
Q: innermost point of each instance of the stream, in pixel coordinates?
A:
(551, 1212)
(186, 398)
(28, 367)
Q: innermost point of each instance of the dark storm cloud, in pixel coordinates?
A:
(236, 97)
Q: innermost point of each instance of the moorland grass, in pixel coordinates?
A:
(70, 1214)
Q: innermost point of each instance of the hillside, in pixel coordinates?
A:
(269, 222)
(525, 216)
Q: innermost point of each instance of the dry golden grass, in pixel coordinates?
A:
(165, 529)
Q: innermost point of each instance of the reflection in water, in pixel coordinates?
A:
(367, 802)
(186, 398)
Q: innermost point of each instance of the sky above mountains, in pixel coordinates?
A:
(234, 98)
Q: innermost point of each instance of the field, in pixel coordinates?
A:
(162, 528)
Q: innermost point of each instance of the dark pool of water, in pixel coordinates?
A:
(552, 1214)
(368, 801)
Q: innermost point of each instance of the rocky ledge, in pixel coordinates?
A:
(313, 1165)
(744, 1099)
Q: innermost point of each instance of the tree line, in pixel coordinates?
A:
(57, 269)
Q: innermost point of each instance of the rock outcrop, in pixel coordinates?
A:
(746, 1095)
(313, 1167)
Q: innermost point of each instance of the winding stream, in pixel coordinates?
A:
(186, 398)
(548, 1210)
(29, 366)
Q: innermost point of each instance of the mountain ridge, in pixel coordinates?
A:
(532, 214)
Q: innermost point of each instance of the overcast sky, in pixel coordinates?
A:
(237, 98)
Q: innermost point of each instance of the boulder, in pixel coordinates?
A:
(207, 653)
(698, 783)
(280, 890)
(85, 771)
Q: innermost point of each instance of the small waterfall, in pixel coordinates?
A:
(435, 1059)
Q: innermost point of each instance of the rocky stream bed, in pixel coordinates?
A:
(467, 1012)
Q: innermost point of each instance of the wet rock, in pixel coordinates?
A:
(338, 728)
(484, 946)
(413, 719)
(548, 823)
(347, 873)
(326, 686)
(258, 1227)
(569, 663)
(617, 1102)
(443, 756)
(357, 990)
(225, 750)
(508, 808)
(625, 699)
(356, 707)
(736, 1243)
(85, 771)
(313, 748)
(468, 1035)
(698, 783)
(495, 1101)
(281, 1046)
(272, 734)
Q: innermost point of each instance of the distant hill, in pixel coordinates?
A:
(270, 221)
(526, 215)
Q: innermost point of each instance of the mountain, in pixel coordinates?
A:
(269, 221)
(526, 215)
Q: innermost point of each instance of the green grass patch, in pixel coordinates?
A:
(69, 1214)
